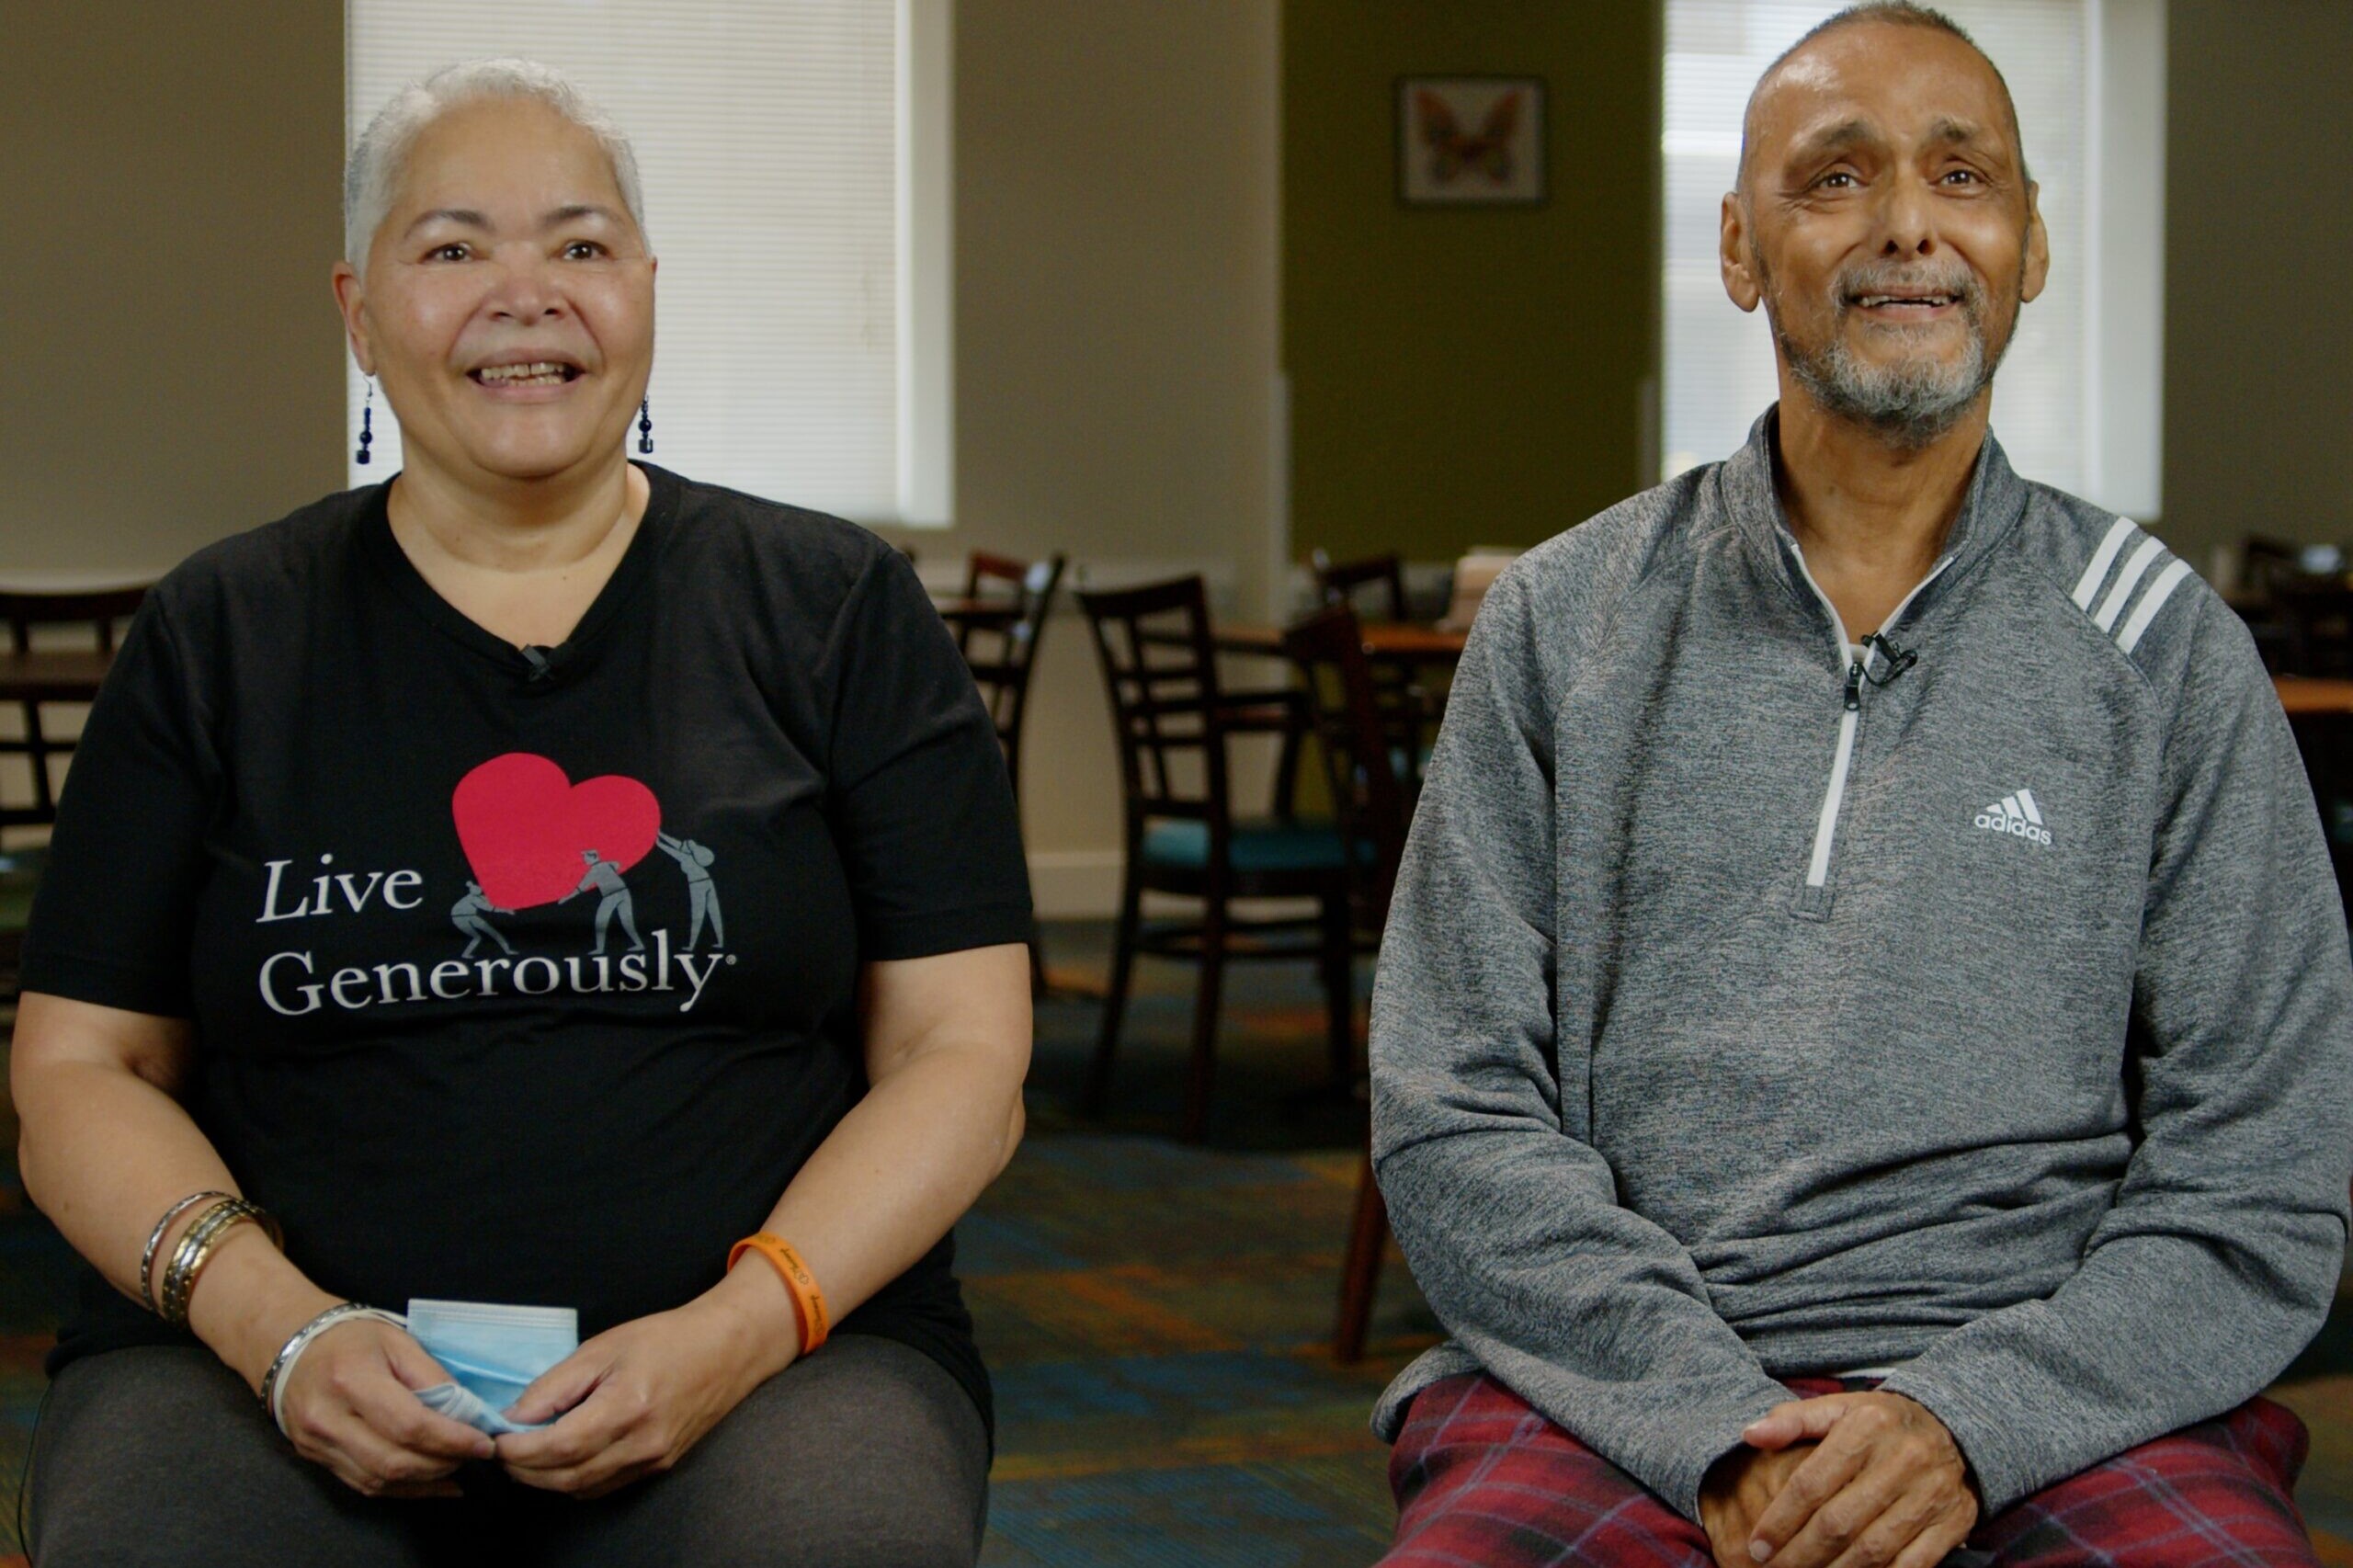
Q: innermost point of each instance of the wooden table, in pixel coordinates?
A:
(53, 676)
(2303, 695)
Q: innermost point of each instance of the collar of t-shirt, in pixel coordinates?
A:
(532, 664)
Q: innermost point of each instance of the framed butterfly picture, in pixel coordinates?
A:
(1470, 141)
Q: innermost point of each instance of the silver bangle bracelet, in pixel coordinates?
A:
(273, 1382)
(156, 1242)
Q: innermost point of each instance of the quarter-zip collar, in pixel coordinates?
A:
(1990, 508)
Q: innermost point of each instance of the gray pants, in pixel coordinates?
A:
(865, 1454)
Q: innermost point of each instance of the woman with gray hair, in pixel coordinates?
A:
(270, 1099)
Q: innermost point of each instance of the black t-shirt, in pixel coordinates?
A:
(530, 977)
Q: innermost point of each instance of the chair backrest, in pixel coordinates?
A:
(2264, 563)
(1160, 670)
(2317, 619)
(1003, 655)
(1371, 733)
(99, 613)
(1345, 582)
(101, 610)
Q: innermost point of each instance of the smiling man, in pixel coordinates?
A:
(1863, 1047)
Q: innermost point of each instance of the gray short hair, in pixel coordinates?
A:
(1896, 13)
(374, 167)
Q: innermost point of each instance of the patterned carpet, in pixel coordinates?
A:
(1155, 1315)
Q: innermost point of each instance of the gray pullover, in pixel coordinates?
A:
(1739, 1018)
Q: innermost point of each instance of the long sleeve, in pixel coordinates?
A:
(1597, 1316)
(2219, 1258)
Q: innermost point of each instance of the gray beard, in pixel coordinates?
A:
(1911, 401)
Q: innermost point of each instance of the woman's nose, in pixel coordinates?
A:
(525, 290)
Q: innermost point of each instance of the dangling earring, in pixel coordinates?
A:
(366, 424)
(646, 426)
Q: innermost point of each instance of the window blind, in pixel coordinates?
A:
(1719, 362)
(774, 148)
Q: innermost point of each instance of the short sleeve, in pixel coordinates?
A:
(113, 918)
(922, 805)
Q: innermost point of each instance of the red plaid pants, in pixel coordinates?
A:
(1482, 1479)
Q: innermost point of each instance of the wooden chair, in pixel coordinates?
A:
(1341, 582)
(1371, 738)
(1374, 586)
(99, 614)
(1003, 655)
(2315, 629)
(1182, 834)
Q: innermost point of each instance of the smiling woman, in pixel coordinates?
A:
(336, 758)
(506, 303)
(838, 227)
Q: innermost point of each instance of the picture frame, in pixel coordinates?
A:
(1470, 141)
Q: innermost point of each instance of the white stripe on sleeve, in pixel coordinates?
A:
(2126, 581)
(2101, 560)
(2151, 602)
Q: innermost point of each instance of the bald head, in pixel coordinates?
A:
(1800, 64)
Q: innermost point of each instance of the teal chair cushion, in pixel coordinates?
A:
(19, 874)
(1257, 846)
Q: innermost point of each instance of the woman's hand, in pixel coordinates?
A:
(634, 1399)
(350, 1404)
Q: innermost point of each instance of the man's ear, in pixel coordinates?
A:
(350, 300)
(1735, 255)
(2038, 248)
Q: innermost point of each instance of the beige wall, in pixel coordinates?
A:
(170, 349)
(2258, 421)
(1117, 193)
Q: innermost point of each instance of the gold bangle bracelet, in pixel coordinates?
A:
(155, 1245)
(196, 1247)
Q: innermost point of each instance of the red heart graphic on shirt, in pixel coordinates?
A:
(524, 826)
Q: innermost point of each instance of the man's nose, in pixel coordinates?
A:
(1906, 219)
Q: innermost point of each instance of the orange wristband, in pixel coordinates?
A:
(808, 1301)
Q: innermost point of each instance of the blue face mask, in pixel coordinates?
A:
(492, 1352)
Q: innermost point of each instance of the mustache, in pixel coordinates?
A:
(1851, 284)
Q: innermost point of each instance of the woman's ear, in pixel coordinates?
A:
(351, 302)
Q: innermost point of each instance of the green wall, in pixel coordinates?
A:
(2258, 418)
(1466, 376)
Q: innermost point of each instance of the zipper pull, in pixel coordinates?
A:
(1855, 687)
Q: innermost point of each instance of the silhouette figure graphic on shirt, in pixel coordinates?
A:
(702, 893)
(616, 899)
(468, 914)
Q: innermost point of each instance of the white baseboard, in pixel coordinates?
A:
(1074, 885)
(1084, 884)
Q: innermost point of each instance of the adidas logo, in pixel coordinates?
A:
(2019, 816)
